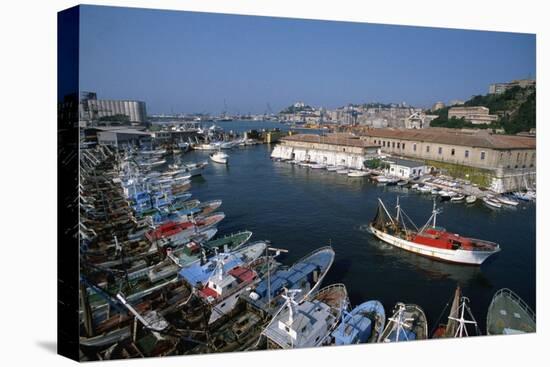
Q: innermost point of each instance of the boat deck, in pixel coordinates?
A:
(508, 314)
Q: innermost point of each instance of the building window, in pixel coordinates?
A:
(517, 158)
(384, 143)
(403, 146)
(374, 141)
(482, 156)
(414, 147)
(393, 144)
(439, 150)
(466, 153)
(427, 148)
(398, 145)
(453, 151)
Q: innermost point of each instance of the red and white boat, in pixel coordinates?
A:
(430, 240)
(174, 233)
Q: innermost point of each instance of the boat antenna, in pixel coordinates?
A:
(290, 302)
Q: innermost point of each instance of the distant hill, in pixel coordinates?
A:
(295, 109)
(516, 109)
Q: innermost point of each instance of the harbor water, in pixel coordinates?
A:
(301, 209)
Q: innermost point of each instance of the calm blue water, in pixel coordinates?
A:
(301, 209)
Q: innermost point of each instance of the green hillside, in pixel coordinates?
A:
(516, 109)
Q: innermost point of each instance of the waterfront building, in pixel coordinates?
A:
(476, 114)
(499, 88)
(335, 149)
(122, 136)
(405, 168)
(500, 162)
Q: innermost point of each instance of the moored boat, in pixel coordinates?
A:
(355, 173)
(460, 322)
(491, 203)
(308, 323)
(470, 199)
(509, 314)
(363, 324)
(407, 323)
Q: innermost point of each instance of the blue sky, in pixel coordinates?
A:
(191, 62)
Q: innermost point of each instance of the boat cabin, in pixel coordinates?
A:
(308, 326)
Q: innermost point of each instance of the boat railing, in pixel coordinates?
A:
(483, 243)
(508, 292)
(320, 249)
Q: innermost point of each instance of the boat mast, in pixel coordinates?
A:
(398, 207)
(462, 330)
(434, 214)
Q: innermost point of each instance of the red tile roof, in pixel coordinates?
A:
(481, 138)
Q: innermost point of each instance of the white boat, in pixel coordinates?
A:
(382, 179)
(357, 174)
(219, 157)
(425, 188)
(506, 200)
(470, 199)
(492, 203)
(227, 144)
(332, 168)
(317, 166)
(343, 171)
(308, 323)
(458, 198)
(208, 146)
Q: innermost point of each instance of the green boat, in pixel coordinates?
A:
(509, 314)
(232, 241)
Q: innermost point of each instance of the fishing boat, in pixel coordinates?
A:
(460, 322)
(363, 324)
(407, 323)
(308, 323)
(430, 240)
(219, 157)
(470, 199)
(172, 233)
(197, 275)
(223, 288)
(509, 314)
(306, 274)
(194, 169)
(491, 203)
(355, 173)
